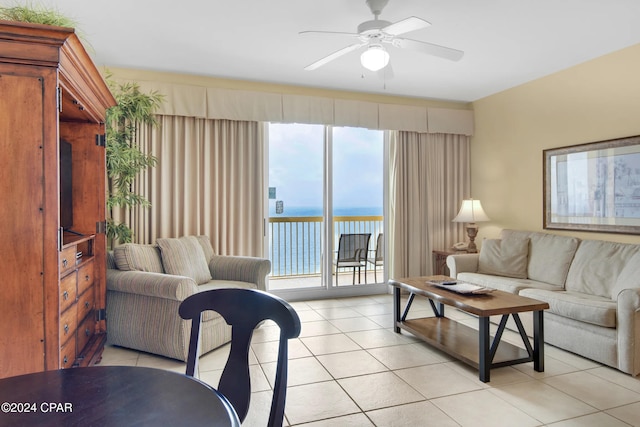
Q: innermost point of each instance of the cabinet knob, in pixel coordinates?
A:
(65, 262)
(86, 278)
(65, 295)
(65, 360)
(87, 332)
(86, 304)
(66, 329)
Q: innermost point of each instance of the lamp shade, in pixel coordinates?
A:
(471, 211)
(374, 58)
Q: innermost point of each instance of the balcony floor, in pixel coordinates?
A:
(313, 281)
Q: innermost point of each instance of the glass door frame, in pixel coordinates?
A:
(327, 288)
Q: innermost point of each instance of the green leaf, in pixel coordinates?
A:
(125, 159)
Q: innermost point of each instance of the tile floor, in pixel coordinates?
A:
(348, 368)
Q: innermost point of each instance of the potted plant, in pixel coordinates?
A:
(125, 159)
(36, 15)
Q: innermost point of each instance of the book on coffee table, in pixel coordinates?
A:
(448, 281)
(460, 287)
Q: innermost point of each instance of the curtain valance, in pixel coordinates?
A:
(233, 104)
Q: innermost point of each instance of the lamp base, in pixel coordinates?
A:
(472, 232)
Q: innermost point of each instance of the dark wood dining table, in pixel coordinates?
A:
(112, 396)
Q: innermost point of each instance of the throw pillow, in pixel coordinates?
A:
(550, 255)
(136, 257)
(185, 257)
(205, 242)
(504, 257)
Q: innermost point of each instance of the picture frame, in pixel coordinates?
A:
(593, 187)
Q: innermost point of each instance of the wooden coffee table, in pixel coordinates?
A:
(467, 344)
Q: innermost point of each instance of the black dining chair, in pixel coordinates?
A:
(244, 310)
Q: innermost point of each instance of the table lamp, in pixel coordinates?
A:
(471, 212)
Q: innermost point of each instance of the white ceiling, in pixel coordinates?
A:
(506, 42)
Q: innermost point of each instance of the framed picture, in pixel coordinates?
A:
(593, 187)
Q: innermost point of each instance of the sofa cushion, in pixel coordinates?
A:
(629, 276)
(578, 306)
(111, 261)
(506, 284)
(597, 265)
(136, 257)
(184, 257)
(504, 257)
(205, 242)
(550, 255)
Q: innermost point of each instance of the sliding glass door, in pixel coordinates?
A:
(357, 171)
(296, 199)
(325, 192)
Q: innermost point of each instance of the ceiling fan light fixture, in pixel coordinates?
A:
(374, 58)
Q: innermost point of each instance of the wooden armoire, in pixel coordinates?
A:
(52, 278)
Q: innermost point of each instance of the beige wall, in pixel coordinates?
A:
(594, 101)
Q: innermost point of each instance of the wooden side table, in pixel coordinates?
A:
(440, 260)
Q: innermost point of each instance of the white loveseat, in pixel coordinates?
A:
(592, 287)
(147, 283)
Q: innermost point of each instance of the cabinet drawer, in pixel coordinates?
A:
(67, 291)
(68, 353)
(68, 324)
(85, 304)
(85, 277)
(67, 259)
(85, 332)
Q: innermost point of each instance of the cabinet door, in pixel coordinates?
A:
(89, 189)
(21, 224)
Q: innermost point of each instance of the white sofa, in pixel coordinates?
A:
(592, 287)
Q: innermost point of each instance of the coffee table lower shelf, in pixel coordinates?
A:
(461, 341)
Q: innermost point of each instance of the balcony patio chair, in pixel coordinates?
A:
(244, 310)
(353, 251)
(378, 260)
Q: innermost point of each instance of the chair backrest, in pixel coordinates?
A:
(243, 309)
(353, 247)
(379, 248)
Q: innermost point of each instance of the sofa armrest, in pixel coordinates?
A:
(462, 263)
(240, 268)
(628, 312)
(151, 284)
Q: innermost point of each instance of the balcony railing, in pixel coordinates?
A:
(296, 248)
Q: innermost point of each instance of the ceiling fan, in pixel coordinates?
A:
(375, 33)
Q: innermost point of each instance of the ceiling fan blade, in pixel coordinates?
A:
(333, 56)
(429, 48)
(339, 33)
(412, 23)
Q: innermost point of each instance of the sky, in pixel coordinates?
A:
(296, 165)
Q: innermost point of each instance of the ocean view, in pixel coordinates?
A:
(296, 211)
(297, 163)
(296, 246)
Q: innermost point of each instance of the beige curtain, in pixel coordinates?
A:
(208, 180)
(430, 176)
